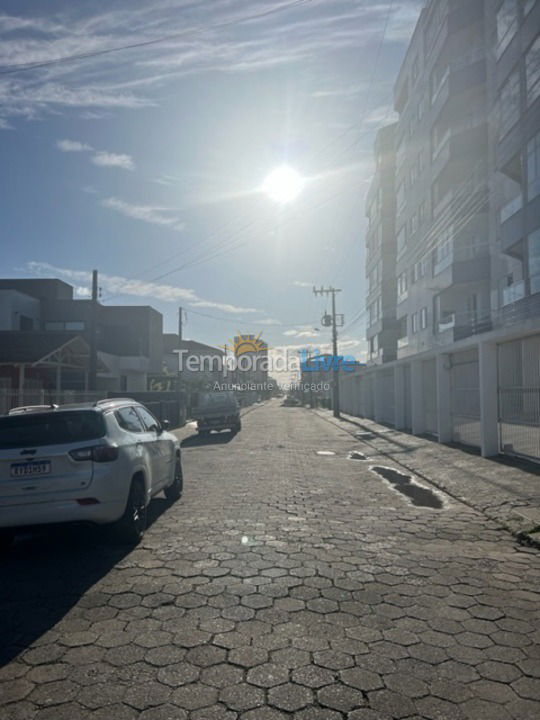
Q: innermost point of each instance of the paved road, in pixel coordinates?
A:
(285, 584)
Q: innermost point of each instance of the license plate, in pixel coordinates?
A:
(30, 469)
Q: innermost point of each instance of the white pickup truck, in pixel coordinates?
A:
(217, 411)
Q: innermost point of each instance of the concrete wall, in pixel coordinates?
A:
(13, 305)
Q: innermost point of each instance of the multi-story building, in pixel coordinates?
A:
(37, 312)
(381, 252)
(467, 232)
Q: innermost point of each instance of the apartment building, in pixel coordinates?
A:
(467, 233)
(381, 283)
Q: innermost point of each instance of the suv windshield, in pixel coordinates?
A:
(52, 428)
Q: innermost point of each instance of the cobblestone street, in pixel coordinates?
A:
(284, 584)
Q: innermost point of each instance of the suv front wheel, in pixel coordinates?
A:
(132, 524)
(174, 491)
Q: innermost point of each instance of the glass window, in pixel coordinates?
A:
(507, 20)
(509, 104)
(74, 326)
(401, 239)
(533, 243)
(414, 322)
(532, 71)
(54, 326)
(128, 420)
(423, 318)
(402, 286)
(148, 419)
(50, 428)
(400, 197)
(533, 167)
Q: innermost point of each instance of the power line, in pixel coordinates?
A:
(23, 67)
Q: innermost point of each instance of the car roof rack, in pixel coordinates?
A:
(107, 401)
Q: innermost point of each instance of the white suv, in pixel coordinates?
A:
(101, 463)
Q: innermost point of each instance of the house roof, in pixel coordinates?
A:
(32, 347)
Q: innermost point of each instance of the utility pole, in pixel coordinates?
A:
(92, 363)
(333, 322)
(180, 324)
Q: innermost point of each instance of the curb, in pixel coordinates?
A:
(522, 536)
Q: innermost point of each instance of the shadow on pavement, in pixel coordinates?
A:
(216, 438)
(47, 571)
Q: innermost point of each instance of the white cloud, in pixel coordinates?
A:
(226, 37)
(73, 146)
(108, 159)
(117, 285)
(146, 213)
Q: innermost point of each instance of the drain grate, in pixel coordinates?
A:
(418, 495)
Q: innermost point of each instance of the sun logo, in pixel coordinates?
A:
(243, 344)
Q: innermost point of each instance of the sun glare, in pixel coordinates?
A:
(283, 185)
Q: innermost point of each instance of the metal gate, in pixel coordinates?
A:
(519, 397)
(407, 419)
(367, 397)
(465, 397)
(386, 389)
(429, 393)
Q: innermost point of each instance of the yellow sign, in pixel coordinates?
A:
(243, 344)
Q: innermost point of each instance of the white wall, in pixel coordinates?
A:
(13, 304)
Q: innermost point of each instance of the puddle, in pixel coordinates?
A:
(356, 455)
(419, 496)
(325, 452)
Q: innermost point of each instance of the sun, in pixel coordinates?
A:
(284, 184)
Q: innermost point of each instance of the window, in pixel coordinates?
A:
(400, 197)
(414, 323)
(421, 161)
(401, 240)
(422, 213)
(509, 104)
(50, 428)
(148, 419)
(506, 25)
(413, 224)
(375, 311)
(70, 326)
(444, 252)
(533, 247)
(375, 277)
(532, 71)
(533, 167)
(402, 286)
(128, 420)
(374, 345)
(423, 318)
(74, 326)
(415, 69)
(439, 76)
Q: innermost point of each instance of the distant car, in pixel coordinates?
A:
(217, 411)
(101, 463)
(291, 402)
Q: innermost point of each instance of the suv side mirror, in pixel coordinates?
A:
(165, 425)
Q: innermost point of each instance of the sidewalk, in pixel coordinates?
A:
(506, 491)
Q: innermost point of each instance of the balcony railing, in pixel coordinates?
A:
(402, 342)
(513, 293)
(511, 208)
(447, 323)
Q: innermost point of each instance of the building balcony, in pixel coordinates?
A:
(513, 293)
(446, 323)
(402, 342)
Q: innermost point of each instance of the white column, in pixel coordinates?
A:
(444, 416)
(399, 396)
(417, 398)
(377, 396)
(489, 421)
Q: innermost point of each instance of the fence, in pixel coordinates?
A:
(165, 406)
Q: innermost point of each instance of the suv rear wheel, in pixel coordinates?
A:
(132, 524)
(174, 491)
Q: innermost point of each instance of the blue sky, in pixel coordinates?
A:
(147, 163)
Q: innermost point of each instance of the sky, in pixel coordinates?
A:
(135, 136)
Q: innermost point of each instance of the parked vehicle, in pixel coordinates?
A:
(99, 462)
(217, 411)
